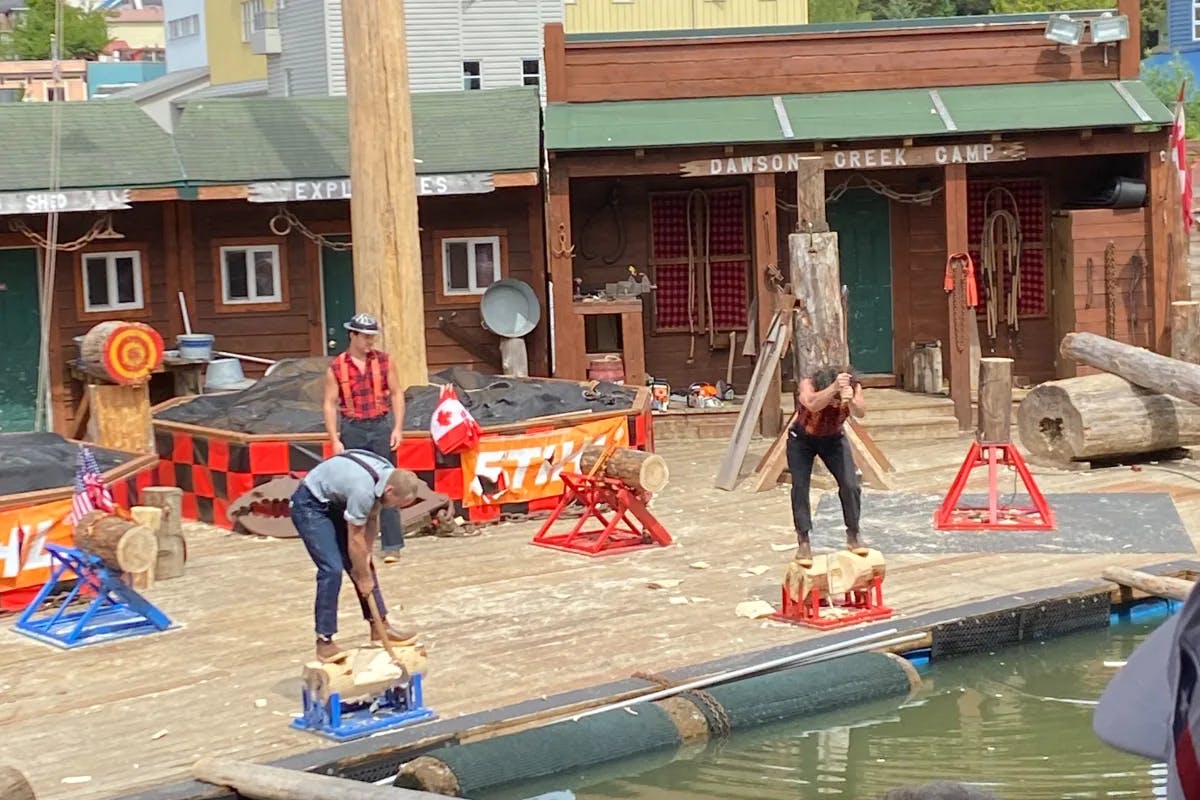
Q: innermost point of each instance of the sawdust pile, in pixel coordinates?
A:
(288, 401)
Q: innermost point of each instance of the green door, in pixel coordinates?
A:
(19, 329)
(862, 221)
(337, 280)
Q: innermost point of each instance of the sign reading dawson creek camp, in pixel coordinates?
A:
(300, 191)
(70, 200)
(868, 158)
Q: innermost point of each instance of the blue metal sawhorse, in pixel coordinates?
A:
(115, 612)
(402, 704)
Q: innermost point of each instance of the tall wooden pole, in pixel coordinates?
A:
(961, 318)
(383, 208)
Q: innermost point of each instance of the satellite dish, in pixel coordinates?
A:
(510, 308)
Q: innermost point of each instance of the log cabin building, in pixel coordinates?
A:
(677, 153)
(245, 210)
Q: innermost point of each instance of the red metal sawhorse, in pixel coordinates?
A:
(624, 522)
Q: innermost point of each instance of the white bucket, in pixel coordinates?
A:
(198, 346)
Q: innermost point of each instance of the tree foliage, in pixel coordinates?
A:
(85, 32)
(1165, 81)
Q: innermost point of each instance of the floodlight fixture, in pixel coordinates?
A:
(1106, 28)
(1064, 30)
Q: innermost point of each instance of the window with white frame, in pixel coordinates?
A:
(182, 27)
(472, 75)
(112, 281)
(252, 11)
(250, 274)
(470, 264)
(1196, 20)
(531, 71)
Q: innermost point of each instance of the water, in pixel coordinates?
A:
(1016, 723)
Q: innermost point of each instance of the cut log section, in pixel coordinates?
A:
(1102, 416)
(365, 673)
(834, 574)
(1135, 364)
(1155, 585)
(1185, 331)
(641, 470)
(123, 545)
(995, 401)
(122, 352)
(14, 786)
(172, 548)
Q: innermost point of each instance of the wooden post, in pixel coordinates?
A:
(816, 282)
(383, 210)
(1158, 243)
(1129, 58)
(570, 358)
(766, 255)
(120, 417)
(261, 782)
(955, 197)
(172, 548)
(995, 401)
(1185, 330)
(810, 196)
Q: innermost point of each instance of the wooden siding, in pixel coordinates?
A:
(605, 16)
(797, 64)
(1080, 241)
(595, 233)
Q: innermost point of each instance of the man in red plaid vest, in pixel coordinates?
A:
(363, 394)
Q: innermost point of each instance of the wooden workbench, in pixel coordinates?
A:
(633, 344)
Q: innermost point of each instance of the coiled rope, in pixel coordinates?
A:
(1000, 254)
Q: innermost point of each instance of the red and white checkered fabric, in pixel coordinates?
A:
(1031, 207)
(669, 242)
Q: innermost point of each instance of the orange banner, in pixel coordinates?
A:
(516, 469)
(24, 533)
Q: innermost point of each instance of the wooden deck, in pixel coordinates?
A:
(504, 622)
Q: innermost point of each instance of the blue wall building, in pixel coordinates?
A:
(107, 77)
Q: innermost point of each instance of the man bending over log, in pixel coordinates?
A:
(336, 511)
(824, 401)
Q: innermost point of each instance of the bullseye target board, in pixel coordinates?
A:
(131, 352)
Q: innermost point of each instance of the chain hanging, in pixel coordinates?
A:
(101, 229)
(284, 222)
(835, 194)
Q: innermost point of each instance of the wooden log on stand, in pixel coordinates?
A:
(1135, 364)
(172, 548)
(121, 352)
(995, 401)
(14, 786)
(261, 782)
(366, 672)
(639, 469)
(1103, 416)
(124, 545)
(1185, 330)
(1156, 585)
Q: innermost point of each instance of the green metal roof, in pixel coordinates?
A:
(101, 145)
(246, 139)
(852, 115)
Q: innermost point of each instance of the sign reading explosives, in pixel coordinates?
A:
(870, 158)
(72, 200)
(24, 532)
(300, 191)
(527, 467)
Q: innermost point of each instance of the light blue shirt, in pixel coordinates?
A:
(340, 481)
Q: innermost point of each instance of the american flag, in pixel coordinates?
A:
(91, 492)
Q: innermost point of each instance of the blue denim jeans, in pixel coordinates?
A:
(323, 530)
(374, 435)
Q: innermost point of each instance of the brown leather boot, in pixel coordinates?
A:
(328, 652)
(804, 549)
(855, 543)
(397, 638)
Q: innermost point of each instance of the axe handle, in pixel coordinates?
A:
(380, 628)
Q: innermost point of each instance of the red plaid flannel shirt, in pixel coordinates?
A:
(362, 393)
(826, 422)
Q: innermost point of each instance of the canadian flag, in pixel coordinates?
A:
(1179, 159)
(452, 426)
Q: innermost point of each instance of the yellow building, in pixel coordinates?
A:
(239, 34)
(612, 16)
(138, 30)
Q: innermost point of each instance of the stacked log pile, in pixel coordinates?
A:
(1142, 403)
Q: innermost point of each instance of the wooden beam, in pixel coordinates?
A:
(187, 263)
(554, 51)
(1156, 585)
(230, 192)
(1159, 242)
(1129, 59)
(171, 270)
(539, 351)
(569, 354)
(810, 196)
(766, 257)
(161, 194)
(507, 180)
(388, 280)
(955, 197)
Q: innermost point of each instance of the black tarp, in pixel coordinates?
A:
(288, 401)
(32, 462)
